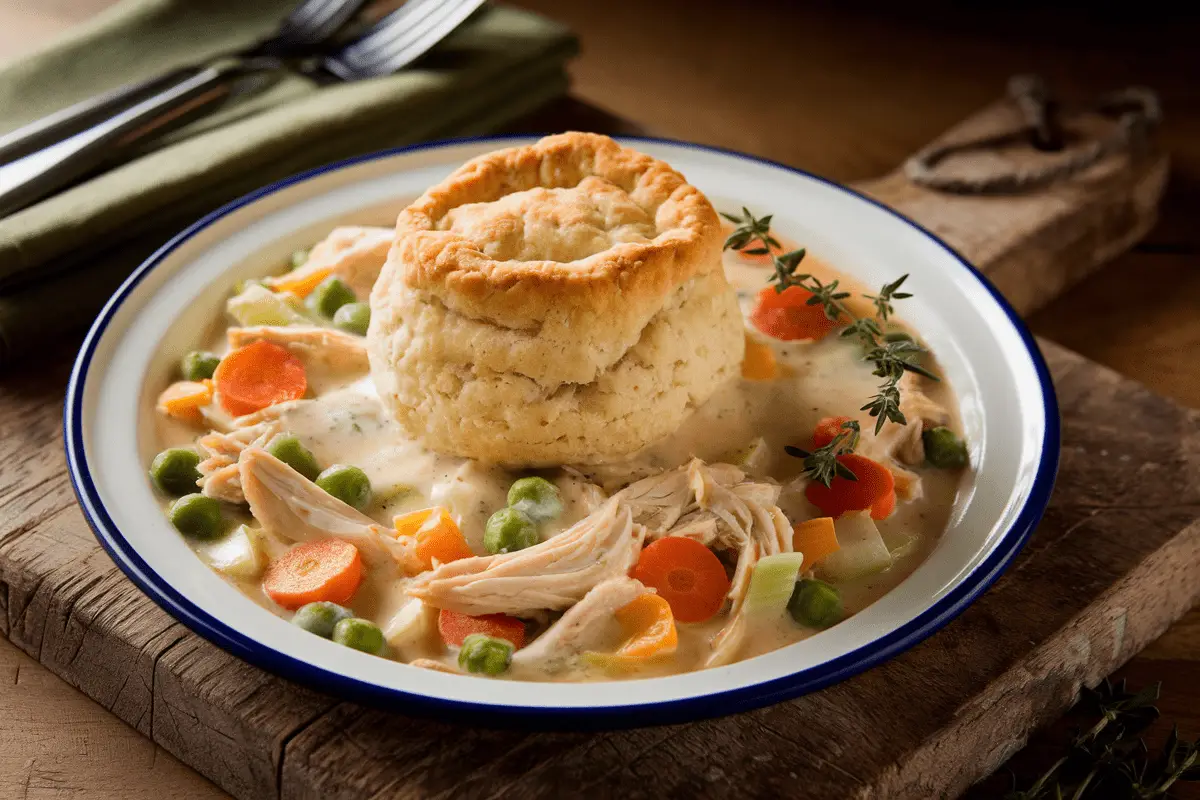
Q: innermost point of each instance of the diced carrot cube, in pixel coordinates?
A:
(183, 399)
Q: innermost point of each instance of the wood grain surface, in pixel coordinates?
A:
(1082, 598)
(848, 97)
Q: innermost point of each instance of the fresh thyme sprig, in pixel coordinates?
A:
(821, 464)
(892, 360)
(757, 231)
(1110, 759)
(867, 330)
(752, 235)
(748, 229)
(883, 300)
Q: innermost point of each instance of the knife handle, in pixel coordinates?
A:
(194, 92)
(44, 132)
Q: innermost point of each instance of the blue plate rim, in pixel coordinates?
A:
(729, 701)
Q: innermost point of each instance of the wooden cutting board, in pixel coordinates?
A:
(1113, 563)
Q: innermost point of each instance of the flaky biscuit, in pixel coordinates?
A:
(558, 302)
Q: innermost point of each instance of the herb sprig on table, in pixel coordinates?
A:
(1110, 759)
(891, 357)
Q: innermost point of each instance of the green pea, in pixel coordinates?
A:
(359, 634)
(197, 516)
(483, 654)
(537, 497)
(815, 603)
(330, 295)
(321, 617)
(353, 318)
(508, 530)
(299, 258)
(898, 336)
(198, 365)
(174, 470)
(944, 449)
(287, 448)
(348, 484)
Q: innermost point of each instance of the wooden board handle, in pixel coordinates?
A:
(1035, 245)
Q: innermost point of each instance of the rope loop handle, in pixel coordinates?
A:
(1136, 110)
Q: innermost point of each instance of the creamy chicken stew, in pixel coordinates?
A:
(796, 496)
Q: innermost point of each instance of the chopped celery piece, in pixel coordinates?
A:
(238, 554)
(772, 583)
(413, 629)
(258, 305)
(245, 284)
(753, 458)
(862, 552)
(396, 491)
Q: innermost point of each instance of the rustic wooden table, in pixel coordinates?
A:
(843, 93)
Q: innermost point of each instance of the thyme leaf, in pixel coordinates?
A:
(883, 300)
(1111, 759)
(822, 464)
(891, 357)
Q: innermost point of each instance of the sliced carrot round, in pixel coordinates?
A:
(827, 430)
(787, 315)
(884, 506)
(327, 569)
(454, 627)
(259, 375)
(686, 574)
(870, 491)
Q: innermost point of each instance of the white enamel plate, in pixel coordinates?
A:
(170, 304)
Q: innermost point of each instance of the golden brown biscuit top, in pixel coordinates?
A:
(572, 223)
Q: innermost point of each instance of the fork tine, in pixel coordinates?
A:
(316, 20)
(401, 56)
(337, 13)
(300, 16)
(403, 45)
(393, 25)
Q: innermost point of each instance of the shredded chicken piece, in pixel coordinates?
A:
(590, 624)
(436, 666)
(356, 255)
(613, 477)
(658, 501)
(296, 509)
(334, 350)
(554, 574)
(908, 483)
(716, 505)
(712, 503)
(586, 567)
(903, 442)
(219, 475)
(898, 445)
(268, 414)
(728, 642)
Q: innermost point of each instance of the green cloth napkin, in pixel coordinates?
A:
(60, 259)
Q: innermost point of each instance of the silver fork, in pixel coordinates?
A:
(309, 25)
(389, 45)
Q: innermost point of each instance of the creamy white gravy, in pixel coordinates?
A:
(348, 425)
